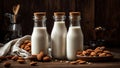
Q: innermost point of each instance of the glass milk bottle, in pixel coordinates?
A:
(58, 36)
(74, 36)
(39, 37)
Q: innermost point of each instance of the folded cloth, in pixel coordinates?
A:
(12, 47)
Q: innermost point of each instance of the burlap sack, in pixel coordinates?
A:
(12, 47)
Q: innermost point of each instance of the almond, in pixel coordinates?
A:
(29, 44)
(26, 47)
(102, 55)
(21, 61)
(22, 46)
(89, 50)
(40, 56)
(14, 58)
(93, 54)
(108, 55)
(78, 60)
(102, 47)
(21, 58)
(26, 41)
(82, 62)
(7, 64)
(78, 53)
(46, 58)
(73, 62)
(85, 53)
(98, 48)
(106, 51)
(33, 63)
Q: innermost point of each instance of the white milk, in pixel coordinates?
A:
(39, 40)
(58, 40)
(74, 42)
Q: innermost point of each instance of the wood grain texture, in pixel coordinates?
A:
(113, 63)
(94, 13)
(108, 15)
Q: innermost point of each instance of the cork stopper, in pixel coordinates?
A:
(39, 15)
(59, 13)
(74, 13)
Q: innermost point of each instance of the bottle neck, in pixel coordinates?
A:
(74, 20)
(59, 18)
(40, 22)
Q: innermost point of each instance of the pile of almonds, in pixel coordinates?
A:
(26, 45)
(97, 52)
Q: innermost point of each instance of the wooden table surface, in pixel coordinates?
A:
(115, 63)
(66, 65)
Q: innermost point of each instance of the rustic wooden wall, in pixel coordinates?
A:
(107, 14)
(1, 20)
(93, 12)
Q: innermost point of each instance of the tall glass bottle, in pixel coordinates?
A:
(39, 37)
(58, 36)
(74, 36)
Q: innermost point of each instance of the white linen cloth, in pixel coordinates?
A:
(12, 47)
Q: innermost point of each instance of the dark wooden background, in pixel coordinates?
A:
(94, 13)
